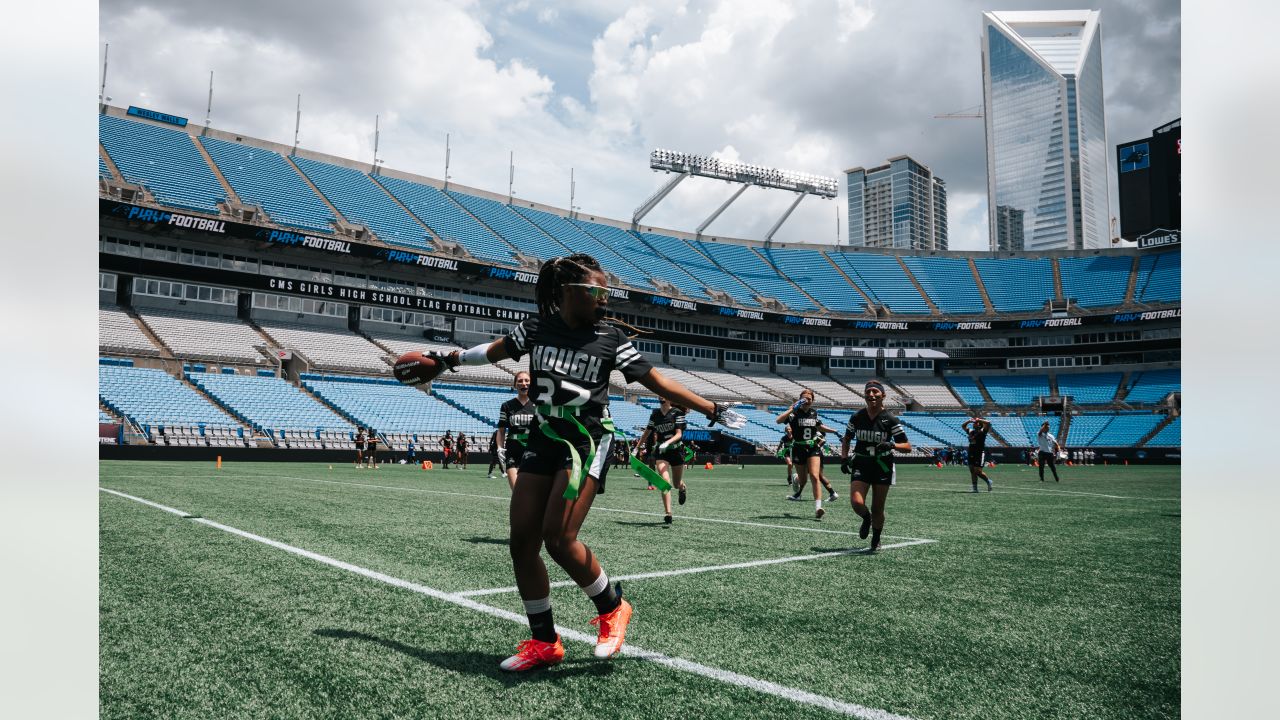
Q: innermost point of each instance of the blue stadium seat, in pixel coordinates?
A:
(572, 237)
(1159, 278)
(1169, 436)
(150, 397)
(362, 201)
(1016, 389)
(262, 177)
(756, 273)
(1126, 429)
(811, 271)
(1032, 425)
(967, 389)
(698, 265)
(1090, 388)
(165, 162)
(450, 222)
(949, 283)
(388, 406)
(514, 228)
(636, 252)
(268, 403)
(103, 170)
(1012, 429)
(1098, 281)
(1153, 386)
(884, 280)
(935, 428)
(1017, 284)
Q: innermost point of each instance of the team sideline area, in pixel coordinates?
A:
(313, 590)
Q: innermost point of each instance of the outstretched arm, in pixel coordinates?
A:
(683, 396)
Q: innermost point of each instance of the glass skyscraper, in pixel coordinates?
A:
(1047, 152)
(901, 205)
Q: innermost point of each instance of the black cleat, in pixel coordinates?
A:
(666, 519)
(875, 547)
(865, 529)
(684, 494)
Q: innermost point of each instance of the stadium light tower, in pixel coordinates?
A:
(745, 174)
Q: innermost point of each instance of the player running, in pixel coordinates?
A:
(876, 434)
(571, 353)
(515, 418)
(667, 424)
(1049, 449)
(823, 450)
(977, 429)
(806, 453)
(784, 452)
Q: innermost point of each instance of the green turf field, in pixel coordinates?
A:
(1038, 600)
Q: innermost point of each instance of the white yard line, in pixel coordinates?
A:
(725, 676)
(709, 568)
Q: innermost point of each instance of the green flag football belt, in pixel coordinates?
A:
(879, 461)
(578, 471)
(649, 474)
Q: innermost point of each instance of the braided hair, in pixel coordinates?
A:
(555, 274)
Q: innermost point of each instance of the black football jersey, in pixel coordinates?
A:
(516, 416)
(869, 432)
(571, 367)
(804, 425)
(978, 437)
(665, 425)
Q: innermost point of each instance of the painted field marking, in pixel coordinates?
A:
(708, 568)
(725, 676)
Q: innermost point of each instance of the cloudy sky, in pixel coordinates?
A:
(816, 86)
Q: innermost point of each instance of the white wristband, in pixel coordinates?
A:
(478, 355)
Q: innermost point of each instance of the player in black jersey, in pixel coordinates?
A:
(806, 452)
(515, 419)
(823, 450)
(666, 426)
(361, 440)
(784, 452)
(876, 435)
(446, 446)
(493, 453)
(571, 353)
(463, 448)
(977, 429)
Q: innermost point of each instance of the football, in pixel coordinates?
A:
(417, 368)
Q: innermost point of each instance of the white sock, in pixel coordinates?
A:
(598, 586)
(818, 503)
(537, 606)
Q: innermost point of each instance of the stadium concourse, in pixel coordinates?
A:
(253, 296)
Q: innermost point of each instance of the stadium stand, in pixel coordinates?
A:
(1016, 389)
(150, 397)
(930, 393)
(1012, 429)
(1090, 388)
(884, 280)
(576, 240)
(832, 390)
(262, 177)
(742, 387)
(364, 202)
(449, 221)
(811, 271)
(1127, 428)
(117, 332)
(629, 417)
(1169, 436)
(268, 404)
(518, 231)
(696, 383)
(103, 170)
(967, 389)
(329, 348)
(1085, 427)
(1098, 281)
(389, 407)
(936, 427)
(1159, 278)
(700, 266)
(948, 282)
(1153, 386)
(757, 274)
(207, 337)
(1017, 284)
(639, 254)
(165, 162)
(1032, 423)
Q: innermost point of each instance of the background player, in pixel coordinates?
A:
(361, 441)
(571, 353)
(515, 417)
(977, 429)
(371, 449)
(806, 454)
(446, 447)
(462, 450)
(667, 423)
(1049, 449)
(784, 452)
(876, 434)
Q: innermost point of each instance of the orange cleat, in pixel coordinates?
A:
(613, 627)
(532, 654)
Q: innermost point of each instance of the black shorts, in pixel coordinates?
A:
(869, 471)
(1047, 458)
(976, 457)
(545, 456)
(673, 455)
(801, 453)
(515, 451)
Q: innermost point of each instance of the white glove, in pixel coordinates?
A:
(728, 417)
(664, 446)
(502, 457)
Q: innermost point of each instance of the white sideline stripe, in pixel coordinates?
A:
(725, 676)
(1038, 491)
(710, 568)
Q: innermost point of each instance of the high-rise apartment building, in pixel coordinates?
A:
(900, 205)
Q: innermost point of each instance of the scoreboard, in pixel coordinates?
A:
(1151, 182)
